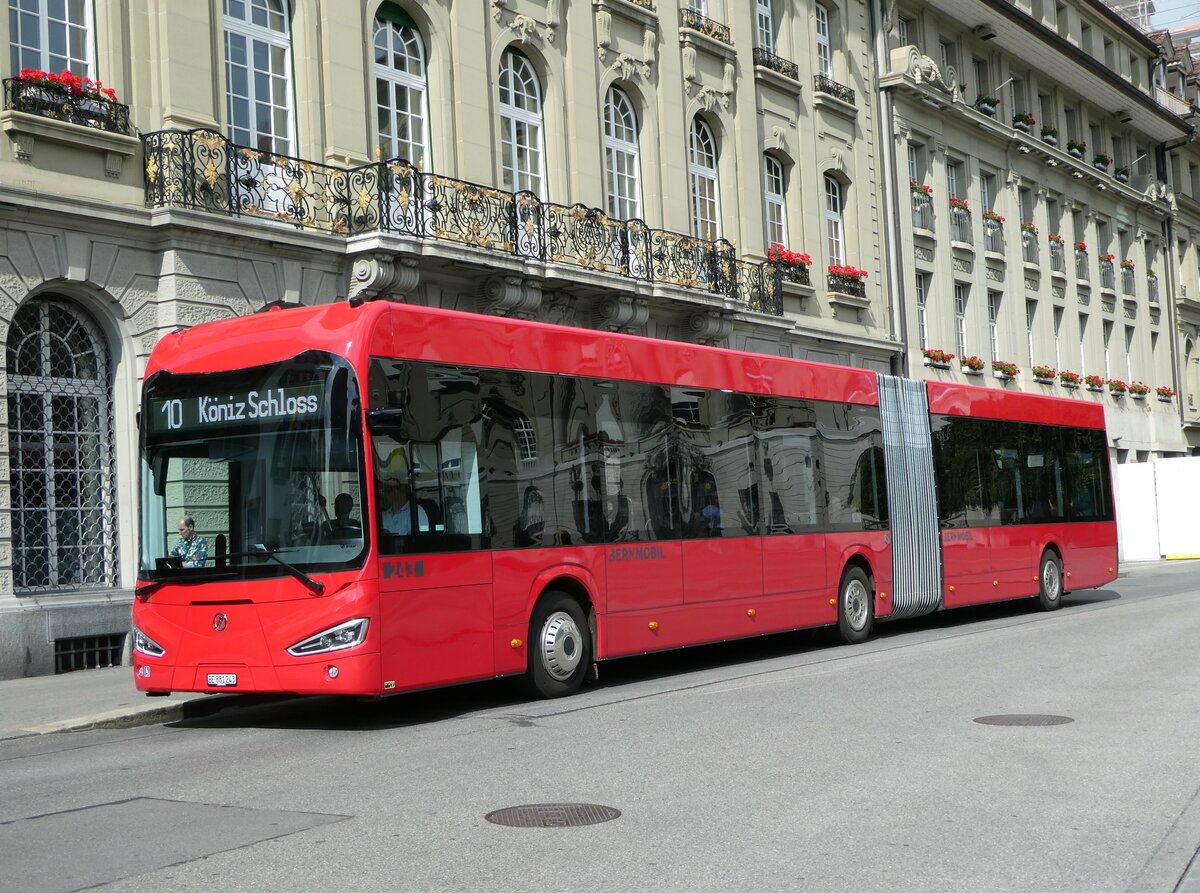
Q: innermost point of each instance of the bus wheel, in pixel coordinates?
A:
(560, 647)
(855, 611)
(1051, 577)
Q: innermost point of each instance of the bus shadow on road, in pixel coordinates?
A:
(336, 714)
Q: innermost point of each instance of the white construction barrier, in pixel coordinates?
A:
(1158, 509)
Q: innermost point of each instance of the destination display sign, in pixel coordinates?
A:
(222, 410)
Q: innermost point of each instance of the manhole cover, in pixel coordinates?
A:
(1024, 719)
(552, 815)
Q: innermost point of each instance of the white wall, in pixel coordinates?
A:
(1158, 508)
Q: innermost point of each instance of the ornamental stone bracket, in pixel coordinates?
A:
(709, 326)
(510, 296)
(526, 28)
(646, 18)
(622, 313)
(26, 131)
(381, 275)
(922, 77)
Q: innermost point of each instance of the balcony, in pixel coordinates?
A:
(45, 102)
(1029, 249)
(777, 64)
(1128, 283)
(993, 237)
(830, 87)
(1108, 278)
(922, 208)
(690, 18)
(1081, 266)
(1172, 103)
(1058, 260)
(202, 170)
(852, 286)
(960, 226)
(1152, 288)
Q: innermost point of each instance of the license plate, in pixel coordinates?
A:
(222, 680)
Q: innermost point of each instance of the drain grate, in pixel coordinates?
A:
(1023, 719)
(552, 815)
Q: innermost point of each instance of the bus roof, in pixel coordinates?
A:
(405, 331)
(947, 398)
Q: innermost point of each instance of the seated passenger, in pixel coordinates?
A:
(397, 513)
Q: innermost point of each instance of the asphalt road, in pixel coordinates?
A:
(787, 763)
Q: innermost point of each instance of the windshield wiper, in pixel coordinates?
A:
(315, 585)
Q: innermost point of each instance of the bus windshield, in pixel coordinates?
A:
(247, 473)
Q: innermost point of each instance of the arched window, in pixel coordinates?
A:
(774, 189)
(50, 35)
(702, 165)
(64, 516)
(824, 48)
(835, 240)
(621, 156)
(400, 87)
(520, 124)
(258, 74)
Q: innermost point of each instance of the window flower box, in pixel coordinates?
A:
(1121, 175)
(1101, 161)
(847, 280)
(958, 204)
(1043, 374)
(1081, 247)
(993, 216)
(1076, 148)
(1127, 264)
(1023, 121)
(1094, 382)
(936, 357)
(1029, 227)
(1005, 370)
(1117, 387)
(988, 105)
(971, 365)
(1054, 238)
(1138, 390)
(1069, 379)
(792, 265)
(920, 188)
(68, 98)
(1049, 136)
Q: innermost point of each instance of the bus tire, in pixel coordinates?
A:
(560, 647)
(856, 611)
(1050, 581)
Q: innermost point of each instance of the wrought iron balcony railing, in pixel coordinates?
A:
(960, 226)
(691, 18)
(1029, 248)
(1128, 283)
(644, 4)
(1108, 278)
(847, 285)
(922, 206)
(203, 170)
(767, 59)
(47, 102)
(1058, 260)
(1152, 288)
(993, 236)
(1081, 266)
(830, 87)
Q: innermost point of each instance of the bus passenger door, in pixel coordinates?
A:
(966, 513)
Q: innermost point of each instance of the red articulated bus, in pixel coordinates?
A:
(388, 497)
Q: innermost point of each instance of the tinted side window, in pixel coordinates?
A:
(964, 464)
(852, 447)
(1086, 459)
(790, 458)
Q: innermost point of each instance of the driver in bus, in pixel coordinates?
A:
(397, 514)
(192, 547)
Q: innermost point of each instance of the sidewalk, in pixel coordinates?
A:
(92, 699)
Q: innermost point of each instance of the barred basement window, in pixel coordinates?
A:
(88, 652)
(60, 417)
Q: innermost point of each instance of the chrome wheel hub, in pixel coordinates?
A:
(1051, 581)
(561, 644)
(856, 603)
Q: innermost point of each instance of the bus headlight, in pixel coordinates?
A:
(143, 644)
(336, 638)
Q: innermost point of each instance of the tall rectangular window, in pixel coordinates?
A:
(994, 322)
(1030, 317)
(1071, 117)
(1106, 331)
(949, 56)
(258, 71)
(834, 223)
(1046, 107)
(1058, 320)
(987, 191)
(905, 28)
(824, 47)
(983, 83)
(1018, 95)
(50, 35)
(766, 25)
(954, 179)
(1083, 324)
(961, 293)
(1129, 353)
(923, 280)
(773, 200)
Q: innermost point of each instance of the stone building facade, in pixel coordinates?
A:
(616, 164)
